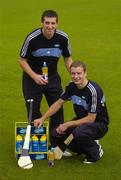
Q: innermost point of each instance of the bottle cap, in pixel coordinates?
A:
(19, 138)
(34, 138)
(43, 138)
(44, 64)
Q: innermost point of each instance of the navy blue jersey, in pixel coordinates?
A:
(90, 99)
(37, 49)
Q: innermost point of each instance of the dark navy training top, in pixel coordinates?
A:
(37, 49)
(90, 99)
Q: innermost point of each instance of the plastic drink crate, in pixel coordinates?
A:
(20, 130)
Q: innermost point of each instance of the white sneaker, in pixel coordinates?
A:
(67, 154)
(87, 162)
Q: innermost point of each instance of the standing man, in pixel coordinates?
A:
(91, 121)
(45, 44)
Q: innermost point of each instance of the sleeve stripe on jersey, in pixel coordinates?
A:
(65, 35)
(61, 33)
(28, 39)
(94, 97)
(69, 48)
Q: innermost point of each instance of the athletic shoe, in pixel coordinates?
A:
(86, 161)
(67, 154)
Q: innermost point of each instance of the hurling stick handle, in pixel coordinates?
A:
(69, 139)
(28, 130)
(58, 150)
(30, 110)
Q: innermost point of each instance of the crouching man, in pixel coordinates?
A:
(91, 120)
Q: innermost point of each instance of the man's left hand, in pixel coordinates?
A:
(61, 128)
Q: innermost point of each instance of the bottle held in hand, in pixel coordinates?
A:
(45, 71)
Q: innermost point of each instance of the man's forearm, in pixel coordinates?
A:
(68, 62)
(53, 109)
(25, 66)
(90, 118)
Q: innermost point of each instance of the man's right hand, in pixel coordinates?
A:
(36, 77)
(40, 80)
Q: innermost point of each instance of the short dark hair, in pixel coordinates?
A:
(78, 64)
(49, 13)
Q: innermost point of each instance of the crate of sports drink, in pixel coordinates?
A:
(38, 144)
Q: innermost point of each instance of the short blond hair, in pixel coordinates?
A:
(78, 64)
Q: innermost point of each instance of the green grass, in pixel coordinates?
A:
(94, 28)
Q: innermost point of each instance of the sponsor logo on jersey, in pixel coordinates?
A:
(56, 45)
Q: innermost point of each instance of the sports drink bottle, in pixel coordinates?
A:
(35, 143)
(51, 157)
(43, 143)
(19, 143)
(45, 71)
